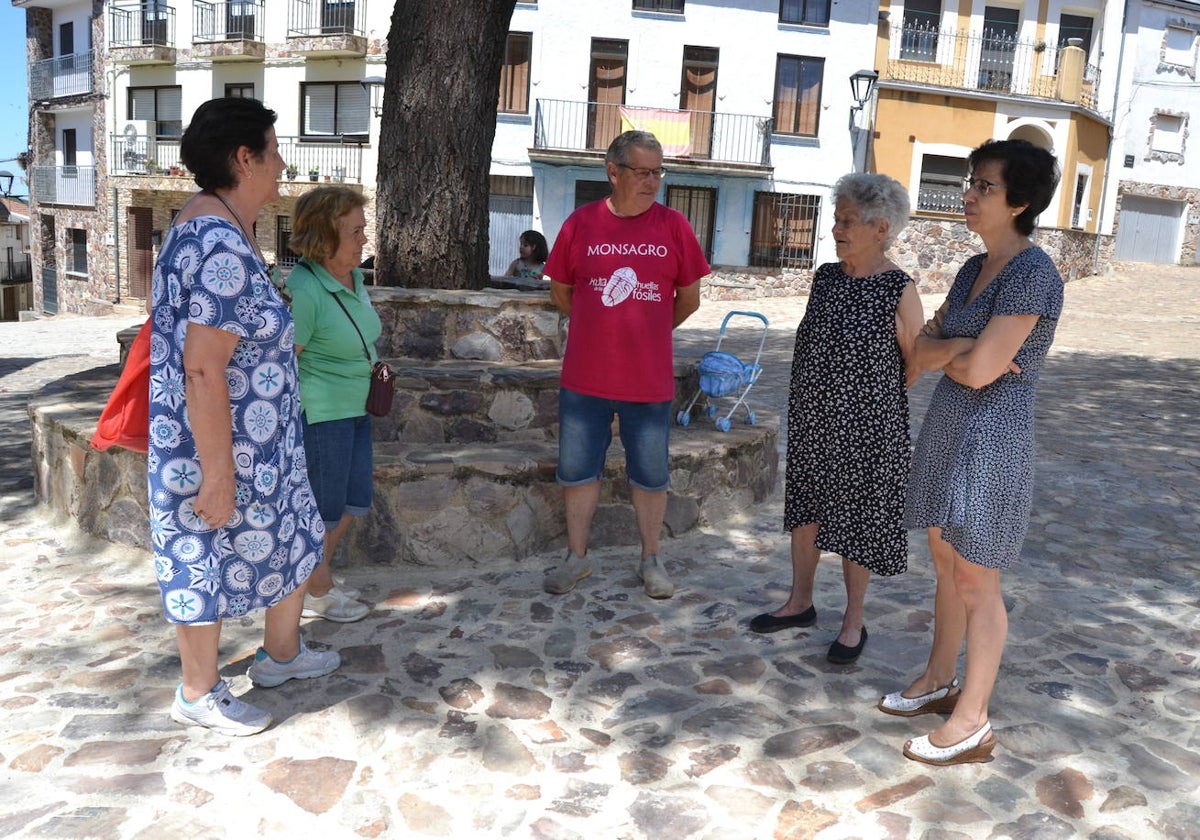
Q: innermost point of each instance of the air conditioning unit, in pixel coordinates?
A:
(135, 144)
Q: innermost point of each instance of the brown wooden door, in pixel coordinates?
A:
(141, 251)
(698, 94)
(606, 91)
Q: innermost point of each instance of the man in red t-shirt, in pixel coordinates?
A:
(625, 271)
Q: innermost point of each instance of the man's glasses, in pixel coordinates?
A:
(981, 185)
(644, 173)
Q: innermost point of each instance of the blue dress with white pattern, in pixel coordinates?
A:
(972, 468)
(207, 274)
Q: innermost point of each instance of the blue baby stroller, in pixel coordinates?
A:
(722, 373)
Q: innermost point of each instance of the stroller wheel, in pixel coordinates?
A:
(710, 410)
(752, 418)
(723, 424)
(683, 418)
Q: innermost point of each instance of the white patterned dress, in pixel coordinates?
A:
(207, 274)
(972, 467)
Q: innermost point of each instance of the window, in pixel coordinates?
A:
(811, 12)
(514, 74)
(698, 94)
(783, 231)
(1167, 136)
(919, 32)
(941, 189)
(77, 251)
(329, 110)
(66, 38)
(1079, 211)
(606, 91)
(163, 105)
(798, 94)
(69, 151)
(240, 90)
(658, 6)
(588, 191)
(1179, 48)
(285, 257)
(1075, 26)
(699, 204)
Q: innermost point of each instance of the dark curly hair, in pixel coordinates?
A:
(1030, 176)
(535, 240)
(218, 129)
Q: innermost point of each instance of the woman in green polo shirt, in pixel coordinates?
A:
(336, 329)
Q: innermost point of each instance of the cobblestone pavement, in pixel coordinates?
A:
(477, 706)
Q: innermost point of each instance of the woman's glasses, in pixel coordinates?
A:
(981, 185)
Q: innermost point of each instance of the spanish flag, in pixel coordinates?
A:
(672, 128)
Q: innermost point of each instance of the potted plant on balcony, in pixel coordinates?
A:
(292, 170)
(313, 172)
(151, 166)
(339, 174)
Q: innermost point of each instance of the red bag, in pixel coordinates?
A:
(125, 420)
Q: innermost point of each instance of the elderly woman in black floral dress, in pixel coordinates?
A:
(972, 470)
(848, 445)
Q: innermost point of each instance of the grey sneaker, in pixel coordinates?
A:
(334, 605)
(655, 579)
(563, 578)
(220, 711)
(303, 666)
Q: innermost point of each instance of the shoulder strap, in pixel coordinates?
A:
(338, 301)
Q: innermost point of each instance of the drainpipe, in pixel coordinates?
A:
(1112, 133)
(117, 243)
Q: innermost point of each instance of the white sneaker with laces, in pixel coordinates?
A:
(303, 666)
(334, 605)
(220, 711)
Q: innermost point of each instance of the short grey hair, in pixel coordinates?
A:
(618, 149)
(877, 197)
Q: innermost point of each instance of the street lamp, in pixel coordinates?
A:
(373, 85)
(862, 84)
(6, 182)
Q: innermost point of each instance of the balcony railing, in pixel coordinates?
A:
(989, 60)
(73, 185)
(235, 20)
(938, 198)
(139, 154)
(326, 17)
(16, 270)
(150, 24)
(686, 135)
(66, 75)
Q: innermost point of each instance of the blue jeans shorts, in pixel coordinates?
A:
(340, 467)
(585, 432)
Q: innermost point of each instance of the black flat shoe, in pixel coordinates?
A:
(767, 623)
(840, 654)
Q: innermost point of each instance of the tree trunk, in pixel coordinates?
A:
(435, 141)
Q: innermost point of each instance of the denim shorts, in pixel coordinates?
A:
(340, 467)
(585, 432)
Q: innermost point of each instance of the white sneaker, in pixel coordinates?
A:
(340, 583)
(305, 665)
(334, 605)
(220, 711)
(654, 578)
(562, 579)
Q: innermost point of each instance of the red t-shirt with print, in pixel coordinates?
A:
(624, 271)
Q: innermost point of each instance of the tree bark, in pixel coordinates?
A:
(435, 142)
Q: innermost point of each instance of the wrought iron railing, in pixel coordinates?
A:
(326, 17)
(988, 60)
(150, 24)
(658, 6)
(940, 198)
(228, 20)
(339, 159)
(65, 75)
(73, 185)
(703, 135)
(18, 270)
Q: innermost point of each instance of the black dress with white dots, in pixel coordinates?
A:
(848, 445)
(972, 468)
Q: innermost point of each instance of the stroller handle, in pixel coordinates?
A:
(728, 315)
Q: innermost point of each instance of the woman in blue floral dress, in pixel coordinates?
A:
(234, 525)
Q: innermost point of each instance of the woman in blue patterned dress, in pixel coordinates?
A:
(234, 525)
(971, 482)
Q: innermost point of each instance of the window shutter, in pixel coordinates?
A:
(320, 102)
(353, 109)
